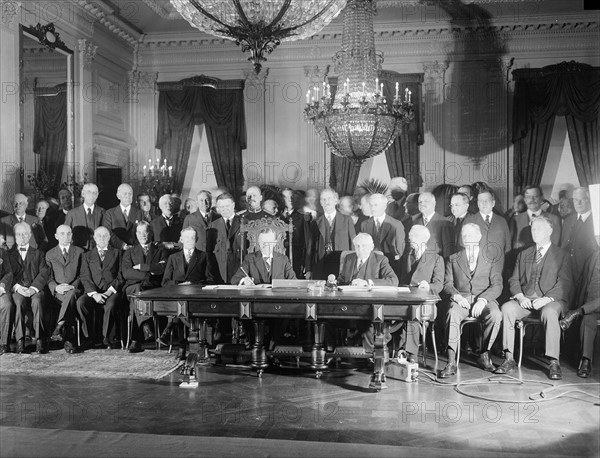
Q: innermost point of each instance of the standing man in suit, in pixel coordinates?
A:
(424, 269)
(144, 204)
(387, 232)
(254, 209)
(473, 282)
(330, 234)
(102, 284)
(398, 188)
(64, 261)
(186, 267)
(201, 218)
(520, 224)
(541, 281)
(294, 202)
(120, 220)
(223, 242)
(495, 240)
(578, 233)
(7, 308)
(7, 223)
(142, 268)
(30, 276)
(65, 203)
(84, 220)
(468, 190)
(44, 215)
(459, 206)
(442, 238)
(167, 227)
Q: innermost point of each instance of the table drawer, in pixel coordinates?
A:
(215, 308)
(357, 311)
(284, 309)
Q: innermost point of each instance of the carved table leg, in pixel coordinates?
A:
(378, 377)
(318, 360)
(259, 355)
(203, 344)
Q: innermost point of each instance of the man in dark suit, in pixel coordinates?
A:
(64, 261)
(398, 188)
(186, 267)
(588, 300)
(442, 237)
(459, 206)
(57, 218)
(424, 269)
(387, 233)
(120, 220)
(293, 212)
(44, 215)
(520, 224)
(167, 227)
(495, 240)
(473, 282)
(7, 223)
(144, 204)
(142, 268)
(102, 284)
(30, 276)
(578, 233)
(223, 242)
(540, 281)
(254, 209)
(330, 234)
(7, 308)
(201, 218)
(84, 220)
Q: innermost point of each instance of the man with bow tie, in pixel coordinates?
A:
(120, 220)
(473, 282)
(167, 227)
(541, 280)
(102, 284)
(459, 207)
(30, 276)
(84, 219)
(7, 223)
(186, 267)
(201, 218)
(64, 261)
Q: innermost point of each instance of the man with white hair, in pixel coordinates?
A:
(167, 227)
(254, 209)
(330, 234)
(473, 282)
(120, 220)
(7, 223)
(439, 227)
(387, 232)
(84, 220)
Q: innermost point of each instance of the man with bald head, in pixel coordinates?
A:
(7, 223)
(442, 237)
(102, 284)
(120, 220)
(254, 209)
(84, 220)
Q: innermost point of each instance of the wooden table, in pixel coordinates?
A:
(190, 302)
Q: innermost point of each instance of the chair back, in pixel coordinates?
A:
(347, 252)
(249, 231)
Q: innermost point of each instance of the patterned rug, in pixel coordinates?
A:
(150, 364)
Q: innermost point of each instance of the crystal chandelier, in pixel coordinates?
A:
(259, 26)
(358, 123)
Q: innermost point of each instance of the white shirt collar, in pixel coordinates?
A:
(537, 213)
(380, 219)
(330, 215)
(65, 211)
(491, 215)
(64, 247)
(85, 207)
(26, 247)
(584, 216)
(544, 248)
(126, 209)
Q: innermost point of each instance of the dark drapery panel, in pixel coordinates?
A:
(403, 155)
(217, 104)
(567, 89)
(50, 129)
(344, 175)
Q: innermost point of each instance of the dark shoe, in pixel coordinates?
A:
(106, 343)
(448, 371)
(41, 347)
(569, 318)
(484, 362)
(148, 333)
(134, 347)
(585, 368)
(4, 349)
(554, 372)
(57, 333)
(20, 346)
(507, 366)
(69, 347)
(181, 354)
(411, 358)
(87, 345)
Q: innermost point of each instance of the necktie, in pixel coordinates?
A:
(168, 220)
(88, 218)
(360, 263)
(377, 226)
(487, 221)
(330, 221)
(101, 254)
(206, 219)
(425, 221)
(145, 249)
(21, 219)
(268, 264)
(538, 255)
(188, 256)
(125, 215)
(457, 221)
(227, 225)
(65, 253)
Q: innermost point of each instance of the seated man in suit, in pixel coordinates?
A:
(201, 218)
(588, 299)
(541, 281)
(473, 283)
(167, 227)
(64, 261)
(442, 236)
(120, 220)
(142, 268)
(102, 284)
(7, 308)
(425, 269)
(84, 220)
(186, 267)
(365, 268)
(30, 276)
(7, 223)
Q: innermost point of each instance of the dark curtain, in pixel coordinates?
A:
(403, 155)
(186, 104)
(50, 130)
(567, 89)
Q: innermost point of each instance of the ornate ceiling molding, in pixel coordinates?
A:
(87, 53)
(9, 9)
(105, 15)
(383, 4)
(164, 10)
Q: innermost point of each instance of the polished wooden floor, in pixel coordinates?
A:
(292, 404)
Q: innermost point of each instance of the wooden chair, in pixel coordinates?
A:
(463, 323)
(249, 231)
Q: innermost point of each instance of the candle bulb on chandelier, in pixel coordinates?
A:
(328, 91)
(381, 91)
(397, 89)
(364, 91)
(170, 171)
(376, 84)
(151, 170)
(406, 95)
(144, 170)
(409, 96)
(307, 97)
